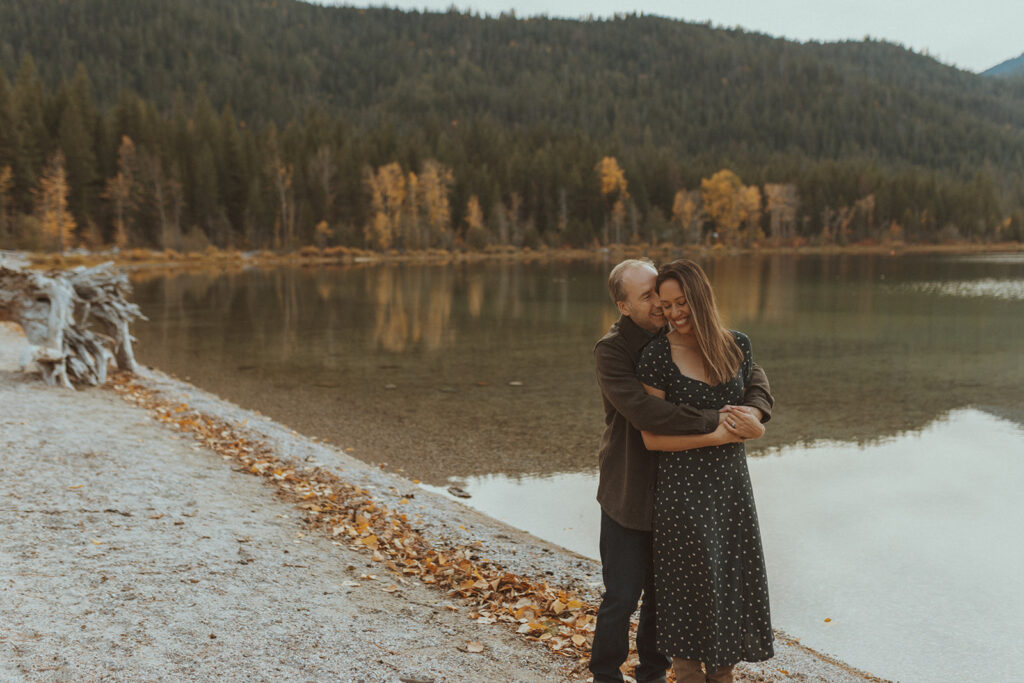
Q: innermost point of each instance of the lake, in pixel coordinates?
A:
(886, 484)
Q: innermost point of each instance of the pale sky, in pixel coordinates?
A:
(971, 35)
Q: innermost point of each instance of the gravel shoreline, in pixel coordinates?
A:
(132, 553)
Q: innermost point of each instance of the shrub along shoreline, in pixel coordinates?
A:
(310, 255)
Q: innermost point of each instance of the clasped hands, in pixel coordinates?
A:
(741, 422)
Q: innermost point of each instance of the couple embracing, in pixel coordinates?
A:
(678, 524)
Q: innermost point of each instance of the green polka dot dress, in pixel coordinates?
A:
(709, 572)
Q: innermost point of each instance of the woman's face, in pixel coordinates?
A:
(675, 307)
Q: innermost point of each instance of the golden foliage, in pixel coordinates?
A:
(121, 190)
(731, 205)
(615, 189)
(410, 211)
(387, 186)
(612, 178)
(476, 232)
(435, 183)
(474, 214)
(52, 202)
(281, 176)
(321, 233)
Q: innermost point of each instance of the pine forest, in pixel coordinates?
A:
(246, 124)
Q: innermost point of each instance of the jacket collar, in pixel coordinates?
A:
(635, 336)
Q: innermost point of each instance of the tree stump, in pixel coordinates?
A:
(57, 310)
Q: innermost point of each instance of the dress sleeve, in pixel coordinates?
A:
(651, 368)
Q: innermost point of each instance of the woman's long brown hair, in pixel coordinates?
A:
(722, 357)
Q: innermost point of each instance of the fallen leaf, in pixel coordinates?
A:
(76, 486)
(473, 646)
(96, 541)
(828, 620)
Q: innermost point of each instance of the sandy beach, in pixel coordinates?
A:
(136, 550)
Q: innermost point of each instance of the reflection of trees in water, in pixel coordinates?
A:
(411, 306)
(475, 293)
(738, 285)
(848, 359)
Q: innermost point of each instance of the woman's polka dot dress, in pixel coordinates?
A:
(709, 575)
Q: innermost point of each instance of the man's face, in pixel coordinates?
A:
(642, 304)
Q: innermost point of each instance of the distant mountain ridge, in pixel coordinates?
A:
(1011, 67)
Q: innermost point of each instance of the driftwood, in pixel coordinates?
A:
(57, 310)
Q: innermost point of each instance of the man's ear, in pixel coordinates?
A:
(623, 307)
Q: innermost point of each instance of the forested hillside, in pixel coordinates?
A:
(252, 124)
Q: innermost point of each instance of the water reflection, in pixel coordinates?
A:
(412, 365)
(910, 547)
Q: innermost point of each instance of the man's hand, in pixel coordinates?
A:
(743, 421)
(756, 412)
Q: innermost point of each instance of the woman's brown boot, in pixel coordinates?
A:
(723, 674)
(687, 670)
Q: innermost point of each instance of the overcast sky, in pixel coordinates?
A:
(971, 35)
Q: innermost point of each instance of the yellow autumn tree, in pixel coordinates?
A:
(435, 183)
(281, 176)
(388, 192)
(720, 196)
(321, 233)
(476, 233)
(411, 233)
(685, 212)
(121, 191)
(734, 208)
(749, 209)
(615, 190)
(52, 202)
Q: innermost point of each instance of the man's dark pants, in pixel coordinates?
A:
(627, 570)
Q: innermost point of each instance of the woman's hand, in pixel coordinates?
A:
(742, 423)
(724, 434)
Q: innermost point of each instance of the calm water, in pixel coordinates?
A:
(886, 484)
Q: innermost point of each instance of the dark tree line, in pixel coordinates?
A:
(270, 124)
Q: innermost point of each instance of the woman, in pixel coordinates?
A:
(709, 572)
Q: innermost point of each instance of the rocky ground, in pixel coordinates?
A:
(132, 553)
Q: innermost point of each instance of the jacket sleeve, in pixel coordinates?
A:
(759, 393)
(616, 376)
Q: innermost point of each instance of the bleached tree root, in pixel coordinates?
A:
(57, 310)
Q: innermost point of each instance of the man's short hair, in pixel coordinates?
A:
(615, 286)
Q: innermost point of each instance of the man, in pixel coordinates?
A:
(627, 478)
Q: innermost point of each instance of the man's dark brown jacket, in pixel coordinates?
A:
(628, 470)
